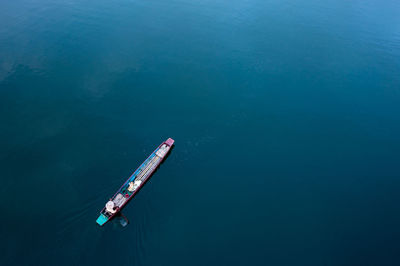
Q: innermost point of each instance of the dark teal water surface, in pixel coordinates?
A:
(286, 116)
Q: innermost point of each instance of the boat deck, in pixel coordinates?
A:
(146, 169)
(134, 182)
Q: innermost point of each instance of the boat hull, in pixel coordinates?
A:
(135, 182)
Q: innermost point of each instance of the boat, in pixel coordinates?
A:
(134, 183)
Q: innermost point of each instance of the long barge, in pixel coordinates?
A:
(134, 182)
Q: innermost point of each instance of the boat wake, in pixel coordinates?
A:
(121, 220)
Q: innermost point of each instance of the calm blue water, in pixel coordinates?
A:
(286, 116)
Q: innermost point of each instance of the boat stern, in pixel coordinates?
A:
(102, 219)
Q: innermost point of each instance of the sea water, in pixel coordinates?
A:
(286, 117)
